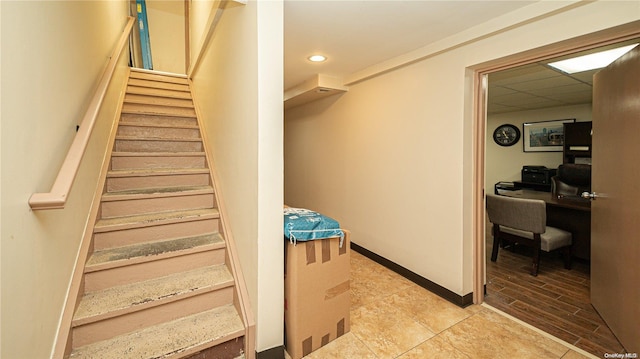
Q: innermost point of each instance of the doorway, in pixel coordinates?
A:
(483, 74)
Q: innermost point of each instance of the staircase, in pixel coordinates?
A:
(157, 282)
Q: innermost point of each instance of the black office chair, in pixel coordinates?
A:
(523, 221)
(571, 180)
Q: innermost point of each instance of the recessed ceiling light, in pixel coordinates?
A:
(317, 58)
(592, 61)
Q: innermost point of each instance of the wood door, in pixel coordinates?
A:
(615, 221)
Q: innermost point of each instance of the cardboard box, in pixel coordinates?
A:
(317, 299)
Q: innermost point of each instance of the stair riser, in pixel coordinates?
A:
(140, 162)
(182, 180)
(125, 237)
(154, 205)
(157, 92)
(91, 333)
(158, 120)
(158, 85)
(143, 271)
(156, 100)
(157, 146)
(158, 78)
(158, 132)
(157, 110)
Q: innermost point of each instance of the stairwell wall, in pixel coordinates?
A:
(393, 157)
(53, 54)
(238, 89)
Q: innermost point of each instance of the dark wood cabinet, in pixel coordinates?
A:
(577, 142)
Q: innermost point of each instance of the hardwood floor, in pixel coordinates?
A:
(556, 301)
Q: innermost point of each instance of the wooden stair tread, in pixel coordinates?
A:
(161, 125)
(146, 99)
(156, 192)
(142, 172)
(138, 138)
(158, 92)
(158, 84)
(111, 302)
(155, 118)
(156, 154)
(188, 334)
(149, 109)
(136, 253)
(154, 219)
(158, 76)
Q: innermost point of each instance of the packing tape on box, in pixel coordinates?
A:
(337, 290)
(307, 344)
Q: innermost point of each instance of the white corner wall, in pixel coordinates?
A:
(392, 159)
(238, 89)
(53, 54)
(166, 35)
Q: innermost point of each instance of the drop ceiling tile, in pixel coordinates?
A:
(544, 83)
(522, 74)
(558, 90)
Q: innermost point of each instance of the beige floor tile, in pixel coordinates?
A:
(371, 282)
(434, 348)
(490, 335)
(347, 346)
(427, 308)
(474, 308)
(387, 330)
(574, 355)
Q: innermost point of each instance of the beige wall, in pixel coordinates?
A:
(53, 53)
(505, 163)
(166, 33)
(392, 159)
(238, 89)
(199, 11)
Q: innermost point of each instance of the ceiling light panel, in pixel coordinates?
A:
(592, 61)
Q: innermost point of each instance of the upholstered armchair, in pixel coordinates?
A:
(523, 221)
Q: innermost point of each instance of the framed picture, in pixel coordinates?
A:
(547, 136)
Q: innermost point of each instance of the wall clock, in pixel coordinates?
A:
(506, 135)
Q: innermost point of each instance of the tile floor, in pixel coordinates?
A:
(391, 317)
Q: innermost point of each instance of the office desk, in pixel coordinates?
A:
(572, 214)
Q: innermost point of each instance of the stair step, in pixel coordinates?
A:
(156, 120)
(131, 179)
(142, 144)
(161, 232)
(159, 125)
(160, 160)
(159, 101)
(148, 251)
(154, 219)
(162, 192)
(126, 129)
(152, 200)
(136, 272)
(151, 76)
(112, 302)
(158, 85)
(158, 92)
(183, 336)
(146, 109)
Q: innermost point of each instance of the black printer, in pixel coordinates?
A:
(537, 174)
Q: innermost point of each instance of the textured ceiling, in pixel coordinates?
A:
(536, 86)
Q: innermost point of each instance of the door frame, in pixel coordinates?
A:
(480, 82)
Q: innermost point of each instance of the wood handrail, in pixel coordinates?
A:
(57, 197)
